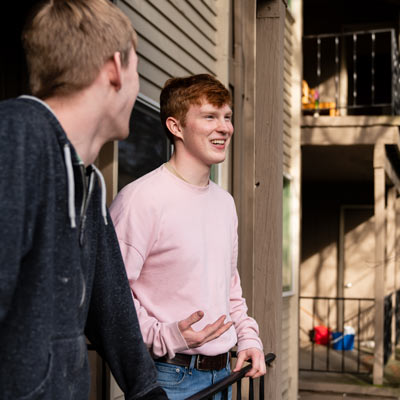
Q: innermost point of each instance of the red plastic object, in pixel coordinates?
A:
(321, 334)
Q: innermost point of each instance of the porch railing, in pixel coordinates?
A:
(207, 393)
(235, 378)
(334, 314)
(369, 62)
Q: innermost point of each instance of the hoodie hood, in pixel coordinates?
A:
(72, 159)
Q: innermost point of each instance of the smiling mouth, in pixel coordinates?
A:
(218, 141)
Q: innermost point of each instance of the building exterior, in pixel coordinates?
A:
(254, 47)
(350, 174)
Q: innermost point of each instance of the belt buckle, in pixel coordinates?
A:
(197, 363)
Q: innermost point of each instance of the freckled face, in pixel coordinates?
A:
(207, 132)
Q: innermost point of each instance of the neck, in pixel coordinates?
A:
(190, 170)
(81, 119)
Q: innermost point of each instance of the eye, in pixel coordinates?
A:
(209, 116)
(228, 118)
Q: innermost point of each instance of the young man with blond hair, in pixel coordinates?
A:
(62, 275)
(178, 235)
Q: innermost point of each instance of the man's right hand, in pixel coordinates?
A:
(209, 332)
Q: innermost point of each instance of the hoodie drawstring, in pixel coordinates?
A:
(71, 185)
(71, 188)
(103, 193)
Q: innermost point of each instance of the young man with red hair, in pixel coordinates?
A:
(178, 235)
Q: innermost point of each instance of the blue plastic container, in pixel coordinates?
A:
(340, 342)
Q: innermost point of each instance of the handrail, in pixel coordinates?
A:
(229, 380)
(350, 33)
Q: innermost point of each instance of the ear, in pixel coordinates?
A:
(114, 71)
(174, 126)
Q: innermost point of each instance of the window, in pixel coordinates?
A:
(287, 260)
(146, 147)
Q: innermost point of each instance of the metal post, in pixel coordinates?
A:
(251, 389)
(261, 397)
(328, 343)
(373, 68)
(312, 342)
(354, 69)
(343, 308)
(393, 66)
(337, 73)
(239, 390)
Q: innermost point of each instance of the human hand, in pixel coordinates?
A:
(209, 332)
(257, 361)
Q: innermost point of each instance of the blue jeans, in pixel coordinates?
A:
(182, 382)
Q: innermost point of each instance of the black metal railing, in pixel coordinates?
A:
(207, 393)
(336, 352)
(368, 59)
(234, 378)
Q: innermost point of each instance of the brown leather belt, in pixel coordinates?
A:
(202, 363)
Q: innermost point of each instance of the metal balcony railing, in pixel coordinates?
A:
(353, 72)
(324, 345)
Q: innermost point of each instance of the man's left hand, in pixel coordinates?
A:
(257, 361)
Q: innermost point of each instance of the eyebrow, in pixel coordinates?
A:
(230, 112)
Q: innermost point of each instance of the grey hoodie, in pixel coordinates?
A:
(61, 271)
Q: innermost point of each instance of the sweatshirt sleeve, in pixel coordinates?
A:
(112, 325)
(20, 179)
(246, 327)
(136, 225)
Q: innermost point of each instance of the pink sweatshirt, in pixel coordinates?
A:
(179, 244)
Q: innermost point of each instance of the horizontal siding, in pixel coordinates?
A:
(175, 38)
(186, 26)
(212, 5)
(192, 13)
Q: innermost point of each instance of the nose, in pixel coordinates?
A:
(225, 126)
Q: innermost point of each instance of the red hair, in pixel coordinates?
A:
(179, 94)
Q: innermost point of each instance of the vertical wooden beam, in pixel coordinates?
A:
(269, 182)
(243, 138)
(390, 283)
(224, 170)
(379, 206)
(397, 248)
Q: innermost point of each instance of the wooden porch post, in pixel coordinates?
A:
(243, 79)
(379, 207)
(270, 24)
(390, 283)
(397, 250)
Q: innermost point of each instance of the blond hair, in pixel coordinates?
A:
(68, 41)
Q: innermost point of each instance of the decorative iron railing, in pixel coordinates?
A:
(354, 72)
